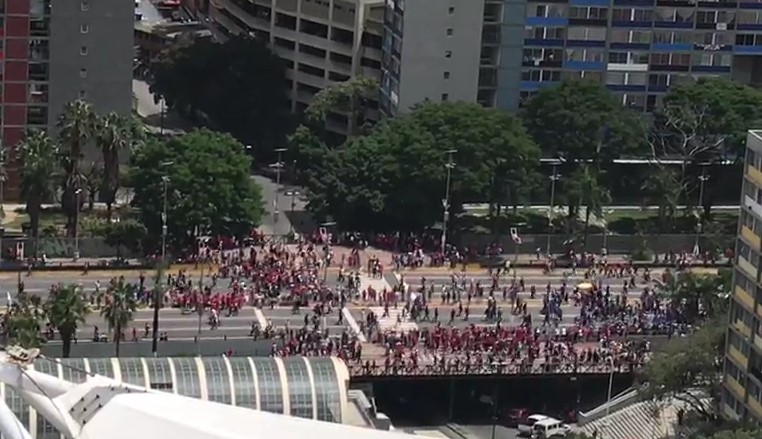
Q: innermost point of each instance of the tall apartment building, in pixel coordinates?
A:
(322, 42)
(54, 53)
(742, 393)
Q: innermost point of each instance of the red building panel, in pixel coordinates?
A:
(15, 93)
(13, 115)
(17, 48)
(12, 136)
(16, 26)
(16, 71)
(17, 7)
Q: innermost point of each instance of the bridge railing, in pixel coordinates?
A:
(361, 370)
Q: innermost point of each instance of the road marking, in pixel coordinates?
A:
(352, 323)
(260, 318)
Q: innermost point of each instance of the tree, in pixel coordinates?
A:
(581, 120)
(23, 324)
(66, 308)
(37, 155)
(308, 152)
(737, 433)
(699, 296)
(586, 190)
(119, 310)
(689, 369)
(238, 86)
(210, 190)
(115, 135)
(347, 97)
(391, 178)
(701, 123)
(77, 125)
(127, 233)
(93, 180)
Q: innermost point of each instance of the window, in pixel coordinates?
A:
(84, 6)
(446, 75)
(83, 73)
(82, 94)
(739, 343)
(451, 10)
(746, 252)
(449, 31)
(448, 53)
(84, 28)
(83, 50)
(738, 315)
(445, 97)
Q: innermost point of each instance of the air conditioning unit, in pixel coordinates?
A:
(722, 26)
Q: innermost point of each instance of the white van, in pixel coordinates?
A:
(550, 427)
(525, 426)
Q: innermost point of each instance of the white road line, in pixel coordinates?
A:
(352, 323)
(261, 319)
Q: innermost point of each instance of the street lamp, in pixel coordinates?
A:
(700, 223)
(278, 169)
(606, 213)
(553, 178)
(165, 190)
(77, 194)
(450, 165)
(293, 194)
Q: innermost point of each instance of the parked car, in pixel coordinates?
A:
(512, 417)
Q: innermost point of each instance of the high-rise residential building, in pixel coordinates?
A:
(323, 42)
(57, 53)
(742, 393)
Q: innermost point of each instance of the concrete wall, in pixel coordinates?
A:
(616, 244)
(425, 41)
(108, 40)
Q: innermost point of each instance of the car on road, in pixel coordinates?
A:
(549, 428)
(513, 417)
(526, 426)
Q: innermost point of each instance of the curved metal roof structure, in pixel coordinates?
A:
(306, 387)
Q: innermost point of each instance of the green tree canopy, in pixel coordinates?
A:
(736, 433)
(38, 156)
(66, 308)
(708, 118)
(688, 369)
(582, 120)
(119, 310)
(394, 177)
(239, 86)
(209, 188)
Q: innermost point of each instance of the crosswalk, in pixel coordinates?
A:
(394, 321)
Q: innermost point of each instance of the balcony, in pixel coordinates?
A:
(755, 407)
(748, 268)
(734, 386)
(754, 175)
(738, 357)
(744, 297)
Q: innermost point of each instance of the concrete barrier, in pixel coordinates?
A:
(618, 402)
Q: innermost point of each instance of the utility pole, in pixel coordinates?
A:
(158, 294)
(293, 194)
(700, 223)
(450, 165)
(276, 201)
(202, 300)
(553, 178)
(165, 181)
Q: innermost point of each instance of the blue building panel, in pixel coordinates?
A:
(584, 65)
(658, 88)
(626, 88)
(629, 24)
(711, 69)
(536, 85)
(603, 3)
(547, 21)
(673, 24)
(585, 43)
(747, 50)
(752, 27)
(671, 47)
(634, 2)
(543, 43)
(750, 6)
(630, 46)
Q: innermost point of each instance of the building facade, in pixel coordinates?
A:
(313, 388)
(322, 42)
(79, 49)
(742, 393)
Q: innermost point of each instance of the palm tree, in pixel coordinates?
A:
(699, 296)
(587, 191)
(37, 155)
(115, 134)
(77, 125)
(120, 309)
(66, 308)
(23, 326)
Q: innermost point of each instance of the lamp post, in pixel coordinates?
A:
(606, 212)
(293, 194)
(77, 194)
(700, 223)
(553, 178)
(165, 196)
(201, 302)
(450, 165)
(276, 200)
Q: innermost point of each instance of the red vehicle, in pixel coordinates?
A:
(513, 417)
